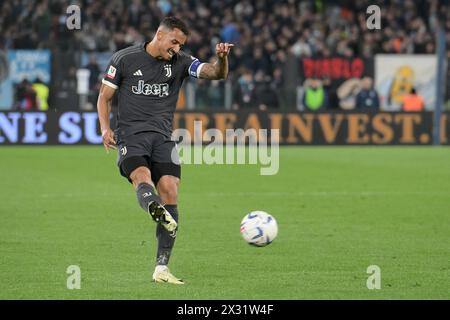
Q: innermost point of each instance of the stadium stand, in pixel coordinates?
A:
(271, 38)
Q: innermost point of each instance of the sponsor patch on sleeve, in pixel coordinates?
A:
(111, 72)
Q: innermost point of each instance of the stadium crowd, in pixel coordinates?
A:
(270, 35)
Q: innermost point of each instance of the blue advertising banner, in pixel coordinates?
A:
(306, 128)
(23, 65)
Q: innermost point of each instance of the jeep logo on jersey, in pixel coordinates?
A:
(168, 68)
(157, 89)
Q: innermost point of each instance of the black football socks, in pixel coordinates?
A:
(165, 238)
(145, 194)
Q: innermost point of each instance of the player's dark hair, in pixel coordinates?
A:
(173, 22)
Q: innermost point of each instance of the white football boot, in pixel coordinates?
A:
(163, 275)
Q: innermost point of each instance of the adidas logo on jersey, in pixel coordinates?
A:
(138, 73)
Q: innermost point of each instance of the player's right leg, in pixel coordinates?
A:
(146, 194)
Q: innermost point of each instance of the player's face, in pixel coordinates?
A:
(171, 42)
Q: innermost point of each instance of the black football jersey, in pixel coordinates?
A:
(147, 88)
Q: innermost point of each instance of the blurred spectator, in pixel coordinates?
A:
(301, 48)
(315, 97)
(215, 94)
(94, 84)
(244, 91)
(367, 99)
(332, 97)
(42, 91)
(26, 98)
(265, 96)
(66, 89)
(413, 102)
(230, 33)
(201, 94)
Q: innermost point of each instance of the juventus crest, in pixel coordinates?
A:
(168, 68)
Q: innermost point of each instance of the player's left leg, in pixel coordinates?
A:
(166, 173)
(168, 191)
(167, 187)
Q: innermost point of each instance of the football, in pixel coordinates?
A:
(259, 228)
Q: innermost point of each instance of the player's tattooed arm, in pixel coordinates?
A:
(218, 70)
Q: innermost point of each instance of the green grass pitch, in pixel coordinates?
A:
(339, 210)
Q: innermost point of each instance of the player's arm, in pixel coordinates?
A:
(104, 109)
(219, 69)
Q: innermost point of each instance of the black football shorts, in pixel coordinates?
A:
(150, 149)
